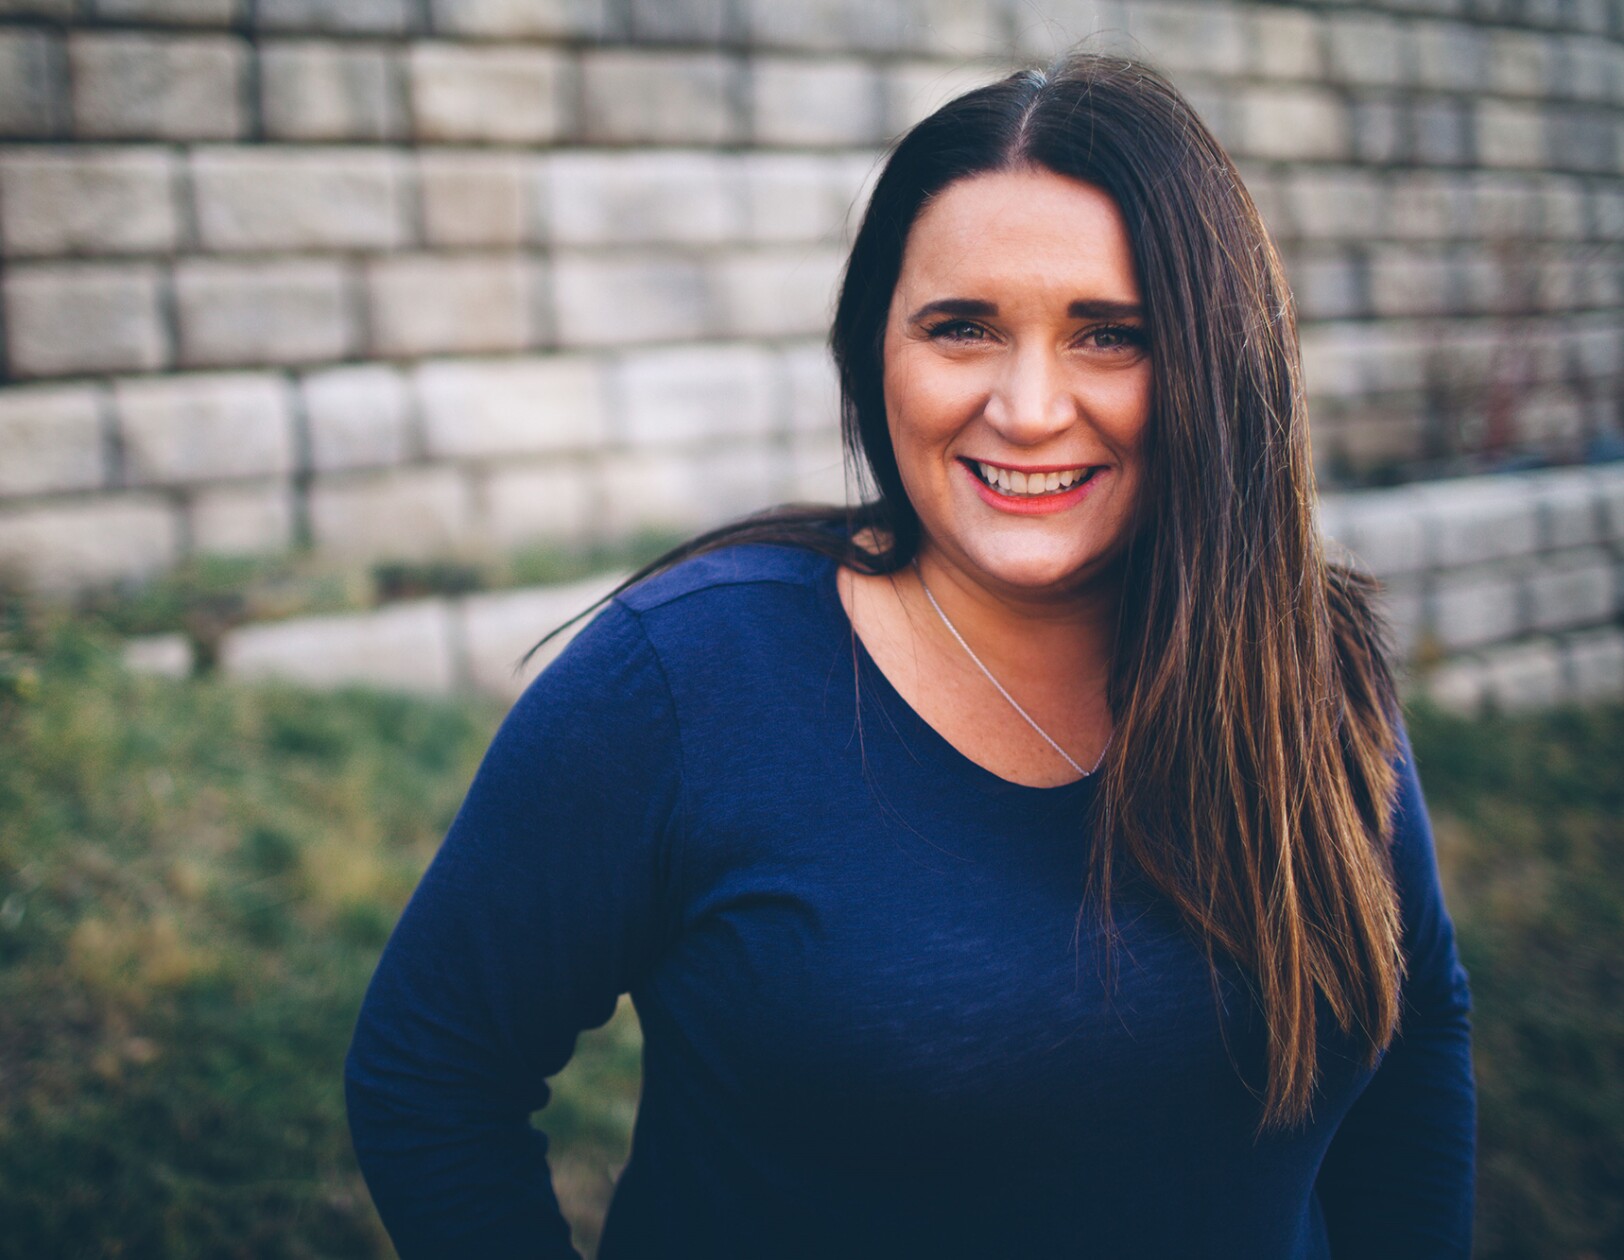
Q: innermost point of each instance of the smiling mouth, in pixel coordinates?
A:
(1020, 485)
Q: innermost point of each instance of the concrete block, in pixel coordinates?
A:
(916, 89)
(642, 198)
(1595, 664)
(1410, 281)
(1475, 607)
(1447, 56)
(1049, 32)
(685, 490)
(1519, 63)
(1461, 686)
(1568, 510)
(1334, 204)
(474, 198)
(1571, 590)
(242, 520)
(1285, 43)
(163, 87)
(1587, 69)
(1526, 676)
(1505, 206)
(1583, 139)
(1609, 483)
(1379, 124)
(1328, 284)
(1288, 123)
(404, 513)
(160, 655)
(1598, 350)
(520, 19)
(493, 94)
(287, 310)
(356, 417)
(263, 200)
(52, 439)
(33, 94)
(815, 103)
(630, 297)
(380, 17)
(1366, 49)
(50, 10)
(705, 22)
(169, 12)
(634, 96)
(437, 304)
(312, 90)
(812, 390)
(826, 25)
(86, 201)
(187, 429)
(500, 407)
(1442, 132)
(406, 647)
(1403, 604)
(817, 472)
(784, 291)
(69, 546)
(961, 29)
(1510, 133)
(537, 501)
(1476, 519)
(1189, 38)
(1562, 208)
(70, 318)
(801, 196)
(500, 627)
(685, 395)
(1430, 206)
(1385, 530)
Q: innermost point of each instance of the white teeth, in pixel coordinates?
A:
(1008, 481)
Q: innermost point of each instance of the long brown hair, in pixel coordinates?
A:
(1250, 779)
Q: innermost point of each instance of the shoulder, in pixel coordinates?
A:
(731, 576)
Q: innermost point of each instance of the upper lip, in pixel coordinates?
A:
(1028, 469)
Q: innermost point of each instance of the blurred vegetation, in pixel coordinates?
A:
(209, 595)
(196, 879)
(1529, 817)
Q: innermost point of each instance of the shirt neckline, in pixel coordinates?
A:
(921, 735)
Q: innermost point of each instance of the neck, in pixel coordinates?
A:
(1051, 641)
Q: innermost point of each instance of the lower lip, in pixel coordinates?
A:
(1033, 504)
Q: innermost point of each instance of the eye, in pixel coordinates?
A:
(956, 330)
(1117, 337)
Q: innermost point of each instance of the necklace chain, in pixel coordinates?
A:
(1013, 703)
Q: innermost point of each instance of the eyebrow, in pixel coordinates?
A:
(974, 308)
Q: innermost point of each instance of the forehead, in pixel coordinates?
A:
(1028, 229)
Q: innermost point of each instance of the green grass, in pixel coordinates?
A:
(196, 879)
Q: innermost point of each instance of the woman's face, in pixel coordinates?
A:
(1017, 381)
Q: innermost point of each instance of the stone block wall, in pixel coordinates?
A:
(397, 277)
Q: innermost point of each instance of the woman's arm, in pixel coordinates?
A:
(545, 903)
(1398, 1179)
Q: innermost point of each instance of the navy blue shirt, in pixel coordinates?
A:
(874, 1022)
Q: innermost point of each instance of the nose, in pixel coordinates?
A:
(1030, 400)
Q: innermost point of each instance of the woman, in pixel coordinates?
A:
(1026, 863)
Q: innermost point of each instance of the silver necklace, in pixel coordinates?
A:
(1013, 703)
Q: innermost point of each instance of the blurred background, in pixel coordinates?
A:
(351, 345)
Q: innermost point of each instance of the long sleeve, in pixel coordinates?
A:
(548, 899)
(1398, 1179)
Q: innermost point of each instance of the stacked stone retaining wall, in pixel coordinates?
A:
(394, 278)
(1499, 590)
